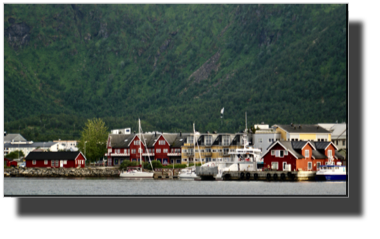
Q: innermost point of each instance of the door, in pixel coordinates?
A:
(61, 162)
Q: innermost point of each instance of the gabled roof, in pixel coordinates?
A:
(287, 145)
(305, 128)
(179, 140)
(317, 155)
(167, 135)
(324, 145)
(337, 130)
(15, 137)
(53, 155)
(301, 144)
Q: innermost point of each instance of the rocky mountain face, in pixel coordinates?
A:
(172, 65)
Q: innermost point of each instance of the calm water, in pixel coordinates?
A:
(118, 186)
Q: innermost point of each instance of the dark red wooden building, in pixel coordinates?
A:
(55, 159)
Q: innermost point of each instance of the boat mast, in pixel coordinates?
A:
(199, 152)
(140, 144)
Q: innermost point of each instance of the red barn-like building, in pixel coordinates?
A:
(165, 148)
(55, 159)
(300, 155)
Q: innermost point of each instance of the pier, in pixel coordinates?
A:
(270, 175)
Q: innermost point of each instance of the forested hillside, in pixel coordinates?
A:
(171, 65)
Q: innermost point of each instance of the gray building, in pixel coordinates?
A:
(263, 138)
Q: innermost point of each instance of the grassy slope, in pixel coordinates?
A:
(280, 63)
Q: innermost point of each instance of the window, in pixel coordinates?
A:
(286, 152)
(136, 142)
(125, 151)
(185, 160)
(34, 162)
(161, 142)
(272, 152)
(329, 153)
(275, 165)
(165, 150)
(133, 151)
(140, 150)
(306, 153)
(207, 139)
(344, 142)
(213, 159)
(45, 162)
(118, 151)
(116, 161)
(281, 153)
(318, 164)
(309, 166)
(226, 140)
(158, 150)
(260, 140)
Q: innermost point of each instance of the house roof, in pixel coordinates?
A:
(317, 154)
(298, 145)
(32, 145)
(286, 145)
(16, 137)
(305, 128)
(337, 130)
(52, 155)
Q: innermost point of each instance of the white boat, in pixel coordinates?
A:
(331, 172)
(240, 159)
(187, 173)
(137, 172)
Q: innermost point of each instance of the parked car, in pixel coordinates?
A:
(22, 165)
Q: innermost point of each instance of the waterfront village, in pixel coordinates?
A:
(301, 147)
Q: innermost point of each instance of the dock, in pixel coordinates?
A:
(270, 175)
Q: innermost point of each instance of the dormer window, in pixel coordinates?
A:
(306, 153)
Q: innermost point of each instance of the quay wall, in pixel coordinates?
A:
(270, 175)
(62, 172)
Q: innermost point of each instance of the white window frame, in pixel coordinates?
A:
(273, 152)
(133, 151)
(165, 150)
(34, 162)
(140, 150)
(125, 151)
(136, 142)
(286, 152)
(158, 151)
(260, 140)
(329, 153)
(274, 163)
(307, 155)
(311, 165)
(45, 162)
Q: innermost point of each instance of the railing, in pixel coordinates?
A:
(174, 154)
(146, 154)
(206, 154)
(189, 154)
(118, 154)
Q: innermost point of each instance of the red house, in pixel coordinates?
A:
(300, 155)
(55, 159)
(165, 148)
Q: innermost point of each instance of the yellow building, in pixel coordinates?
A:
(298, 132)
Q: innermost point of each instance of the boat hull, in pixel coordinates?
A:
(136, 175)
(331, 177)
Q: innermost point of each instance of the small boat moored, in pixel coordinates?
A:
(331, 173)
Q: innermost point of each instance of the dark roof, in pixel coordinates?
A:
(288, 146)
(52, 155)
(298, 144)
(321, 145)
(32, 145)
(179, 140)
(338, 155)
(318, 155)
(305, 128)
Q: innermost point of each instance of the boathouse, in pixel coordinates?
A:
(299, 155)
(55, 160)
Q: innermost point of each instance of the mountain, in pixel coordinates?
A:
(172, 65)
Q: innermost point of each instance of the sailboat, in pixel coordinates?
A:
(189, 173)
(137, 172)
